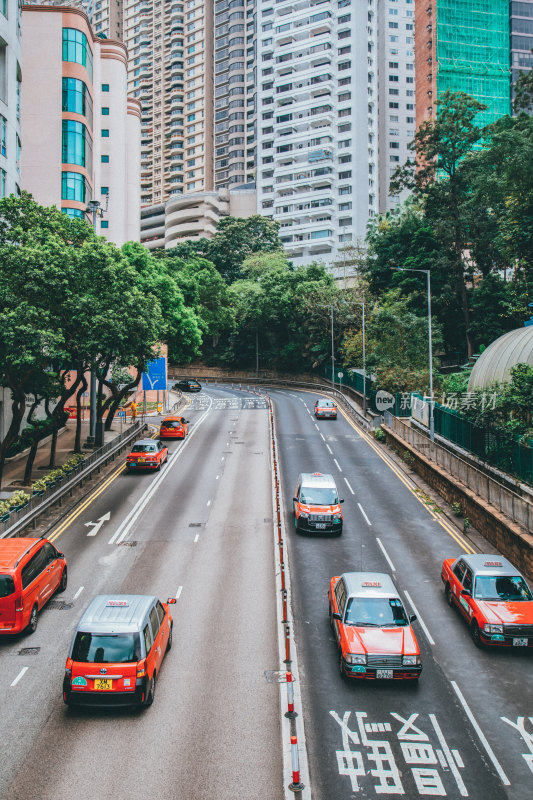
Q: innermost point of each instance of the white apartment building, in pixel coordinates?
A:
(10, 84)
(396, 92)
(317, 120)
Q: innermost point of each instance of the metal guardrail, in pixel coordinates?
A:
(38, 504)
(514, 507)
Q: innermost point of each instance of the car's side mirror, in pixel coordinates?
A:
(466, 592)
(412, 618)
(341, 501)
(186, 421)
(335, 615)
(171, 601)
(60, 555)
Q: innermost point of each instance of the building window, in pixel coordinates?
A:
(74, 186)
(105, 87)
(105, 111)
(105, 159)
(104, 223)
(76, 213)
(3, 136)
(76, 144)
(76, 98)
(76, 48)
(104, 190)
(105, 133)
(2, 183)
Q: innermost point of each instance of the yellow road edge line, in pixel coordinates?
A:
(87, 502)
(456, 535)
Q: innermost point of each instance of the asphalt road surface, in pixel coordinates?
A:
(199, 530)
(467, 729)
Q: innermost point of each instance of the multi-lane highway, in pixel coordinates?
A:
(201, 530)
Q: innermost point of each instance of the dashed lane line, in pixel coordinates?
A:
(423, 625)
(380, 543)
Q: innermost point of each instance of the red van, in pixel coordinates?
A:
(31, 570)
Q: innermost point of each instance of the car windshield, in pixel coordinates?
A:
(7, 585)
(376, 612)
(318, 496)
(143, 448)
(502, 587)
(109, 648)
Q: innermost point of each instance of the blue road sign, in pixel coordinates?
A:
(156, 375)
(121, 413)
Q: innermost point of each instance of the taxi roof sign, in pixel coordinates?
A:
(371, 583)
(493, 564)
(117, 603)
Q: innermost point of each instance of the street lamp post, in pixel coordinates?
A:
(431, 401)
(332, 352)
(362, 303)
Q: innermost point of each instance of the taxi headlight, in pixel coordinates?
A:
(410, 661)
(353, 658)
(337, 517)
(304, 514)
(493, 628)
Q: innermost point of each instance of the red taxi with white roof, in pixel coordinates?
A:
(325, 409)
(493, 597)
(316, 504)
(147, 454)
(373, 631)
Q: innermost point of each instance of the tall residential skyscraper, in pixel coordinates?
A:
(235, 92)
(462, 45)
(317, 122)
(521, 30)
(80, 130)
(10, 83)
(396, 91)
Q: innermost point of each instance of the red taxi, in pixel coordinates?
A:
(31, 571)
(373, 631)
(493, 597)
(117, 651)
(174, 428)
(147, 454)
(325, 409)
(316, 504)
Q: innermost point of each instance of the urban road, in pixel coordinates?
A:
(201, 530)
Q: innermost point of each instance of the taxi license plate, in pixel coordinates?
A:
(384, 673)
(321, 525)
(103, 684)
(141, 460)
(519, 642)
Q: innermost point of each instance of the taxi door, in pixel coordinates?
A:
(340, 599)
(53, 571)
(465, 601)
(160, 642)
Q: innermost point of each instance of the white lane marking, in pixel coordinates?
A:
(294, 395)
(217, 477)
(349, 487)
(504, 779)
(322, 437)
(19, 676)
(80, 590)
(391, 565)
(126, 525)
(362, 510)
(423, 625)
(196, 537)
(329, 449)
(316, 426)
(458, 760)
(443, 743)
(97, 525)
(180, 589)
(209, 502)
(338, 465)
(222, 459)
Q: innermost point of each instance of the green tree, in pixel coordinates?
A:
(237, 238)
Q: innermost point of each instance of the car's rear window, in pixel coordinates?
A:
(7, 585)
(171, 424)
(326, 404)
(318, 496)
(143, 448)
(98, 648)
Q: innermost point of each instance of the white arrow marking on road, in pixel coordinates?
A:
(98, 525)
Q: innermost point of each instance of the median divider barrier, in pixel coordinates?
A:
(40, 504)
(296, 785)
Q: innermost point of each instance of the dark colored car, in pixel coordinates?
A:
(188, 385)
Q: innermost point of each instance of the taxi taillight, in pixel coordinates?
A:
(68, 667)
(141, 669)
(18, 604)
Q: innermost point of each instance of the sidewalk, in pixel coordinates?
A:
(14, 468)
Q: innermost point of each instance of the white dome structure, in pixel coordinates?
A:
(494, 364)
